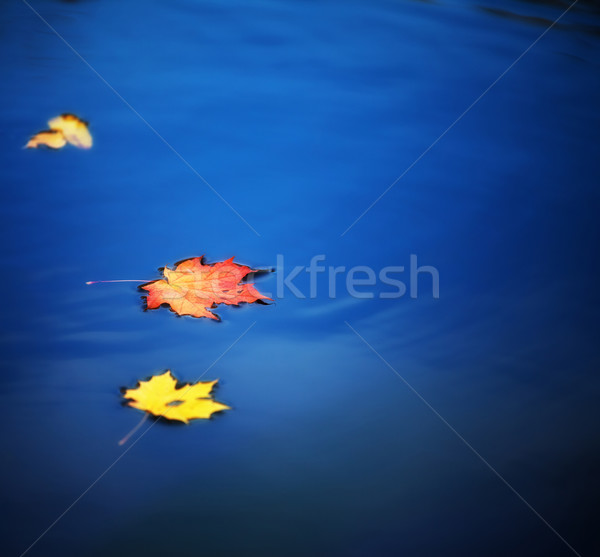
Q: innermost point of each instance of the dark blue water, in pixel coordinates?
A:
(300, 114)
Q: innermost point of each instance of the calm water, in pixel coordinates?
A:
(300, 114)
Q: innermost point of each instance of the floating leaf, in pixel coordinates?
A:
(74, 129)
(193, 287)
(161, 397)
(48, 138)
(64, 128)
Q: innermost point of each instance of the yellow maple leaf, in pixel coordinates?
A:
(161, 397)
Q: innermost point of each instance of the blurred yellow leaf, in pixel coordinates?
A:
(49, 138)
(161, 397)
(64, 128)
(74, 129)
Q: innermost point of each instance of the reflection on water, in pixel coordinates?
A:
(301, 114)
(545, 22)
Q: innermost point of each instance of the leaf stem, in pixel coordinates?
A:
(121, 280)
(126, 438)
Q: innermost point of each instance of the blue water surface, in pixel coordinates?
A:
(462, 425)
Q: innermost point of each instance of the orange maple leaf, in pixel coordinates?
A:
(193, 287)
